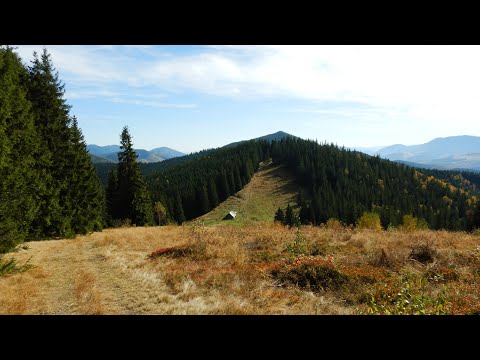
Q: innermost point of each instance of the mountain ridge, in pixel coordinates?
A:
(451, 152)
(108, 153)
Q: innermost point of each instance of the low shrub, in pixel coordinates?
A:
(298, 246)
(409, 301)
(424, 254)
(334, 224)
(310, 277)
(11, 266)
(441, 275)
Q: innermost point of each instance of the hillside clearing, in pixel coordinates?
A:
(271, 187)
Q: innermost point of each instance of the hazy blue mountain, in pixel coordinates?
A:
(166, 152)
(109, 153)
(102, 150)
(99, 159)
(370, 150)
(452, 152)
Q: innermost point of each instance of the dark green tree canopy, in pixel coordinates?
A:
(48, 185)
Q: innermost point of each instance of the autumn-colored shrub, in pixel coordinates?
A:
(423, 253)
(334, 224)
(409, 223)
(441, 275)
(370, 220)
(310, 277)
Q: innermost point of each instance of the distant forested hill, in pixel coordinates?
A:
(342, 184)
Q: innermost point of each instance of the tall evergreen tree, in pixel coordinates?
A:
(134, 201)
(290, 217)
(112, 197)
(51, 114)
(224, 188)
(178, 213)
(212, 193)
(203, 201)
(71, 200)
(84, 197)
(18, 143)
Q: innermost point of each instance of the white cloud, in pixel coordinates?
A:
(419, 89)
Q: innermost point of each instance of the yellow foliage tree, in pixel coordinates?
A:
(334, 224)
(409, 223)
(370, 220)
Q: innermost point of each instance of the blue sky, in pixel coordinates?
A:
(194, 97)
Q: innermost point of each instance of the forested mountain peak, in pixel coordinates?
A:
(269, 138)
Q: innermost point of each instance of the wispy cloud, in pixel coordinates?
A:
(408, 88)
(153, 103)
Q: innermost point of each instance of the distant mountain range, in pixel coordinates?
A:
(453, 152)
(108, 154)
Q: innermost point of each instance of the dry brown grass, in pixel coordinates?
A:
(230, 270)
(88, 297)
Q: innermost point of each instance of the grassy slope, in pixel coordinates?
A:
(270, 188)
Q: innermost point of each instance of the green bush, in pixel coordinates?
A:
(409, 302)
(298, 246)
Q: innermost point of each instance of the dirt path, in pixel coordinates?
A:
(68, 277)
(104, 273)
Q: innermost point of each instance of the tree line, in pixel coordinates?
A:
(48, 185)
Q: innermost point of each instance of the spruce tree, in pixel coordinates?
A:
(112, 197)
(71, 199)
(134, 199)
(84, 196)
(178, 213)
(290, 217)
(279, 216)
(212, 193)
(238, 180)
(51, 114)
(203, 200)
(18, 143)
(224, 188)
